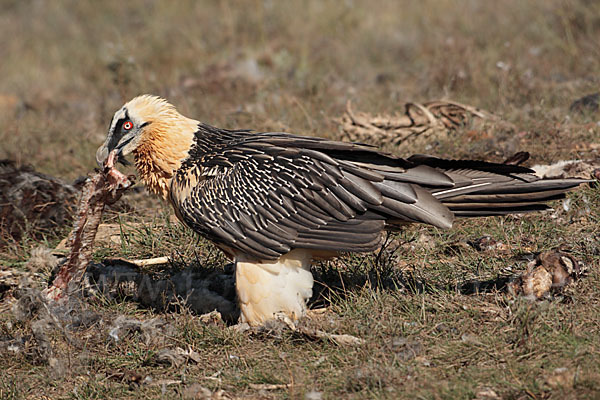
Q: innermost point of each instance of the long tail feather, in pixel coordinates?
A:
(486, 189)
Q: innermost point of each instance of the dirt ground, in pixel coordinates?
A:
(431, 308)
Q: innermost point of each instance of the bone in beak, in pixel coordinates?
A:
(115, 177)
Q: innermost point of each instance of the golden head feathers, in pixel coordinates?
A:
(158, 136)
(150, 108)
(163, 144)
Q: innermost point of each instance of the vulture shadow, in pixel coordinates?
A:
(205, 289)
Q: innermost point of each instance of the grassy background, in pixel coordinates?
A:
(267, 65)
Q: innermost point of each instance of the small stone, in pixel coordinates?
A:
(313, 395)
(487, 394)
(561, 378)
(196, 391)
(471, 339)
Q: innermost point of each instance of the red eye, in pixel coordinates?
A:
(127, 125)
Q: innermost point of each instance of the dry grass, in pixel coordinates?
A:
(67, 65)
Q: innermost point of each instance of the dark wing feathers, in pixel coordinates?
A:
(265, 194)
(473, 165)
(274, 192)
(426, 209)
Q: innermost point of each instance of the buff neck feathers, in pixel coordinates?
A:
(164, 142)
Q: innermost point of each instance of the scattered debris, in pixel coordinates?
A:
(151, 331)
(41, 259)
(270, 386)
(487, 394)
(133, 378)
(341, 340)
(282, 322)
(420, 123)
(197, 391)
(13, 278)
(406, 349)
(536, 283)
(178, 356)
(586, 104)
(164, 382)
(29, 303)
(550, 270)
(58, 367)
(569, 169)
(442, 327)
(44, 319)
(487, 243)
(212, 318)
(104, 187)
(40, 264)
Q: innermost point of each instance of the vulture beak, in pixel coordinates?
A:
(106, 148)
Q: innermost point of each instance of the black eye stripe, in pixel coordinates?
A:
(120, 122)
(117, 133)
(119, 125)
